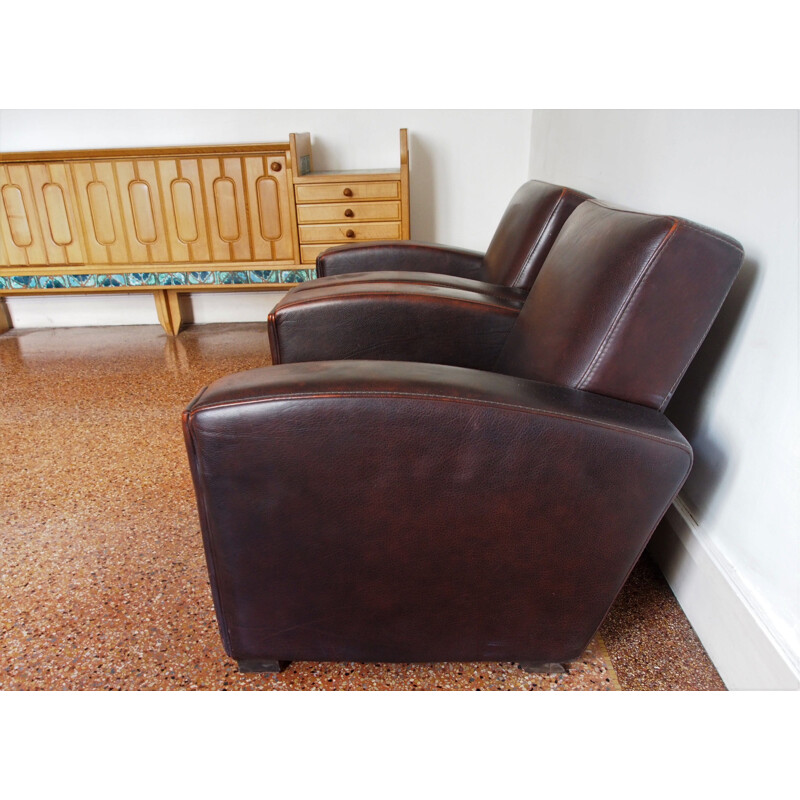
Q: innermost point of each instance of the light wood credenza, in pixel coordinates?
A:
(174, 220)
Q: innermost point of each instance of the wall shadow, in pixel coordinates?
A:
(688, 405)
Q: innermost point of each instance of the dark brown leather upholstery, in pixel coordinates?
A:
(505, 272)
(393, 320)
(514, 257)
(387, 510)
(394, 256)
(622, 304)
(391, 511)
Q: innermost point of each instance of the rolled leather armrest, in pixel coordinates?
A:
(385, 511)
(400, 256)
(392, 321)
(417, 278)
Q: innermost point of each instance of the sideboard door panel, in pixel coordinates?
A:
(118, 246)
(101, 215)
(20, 217)
(145, 195)
(138, 237)
(83, 176)
(184, 210)
(220, 200)
(54, 204)
(240, 245)
(268, 204)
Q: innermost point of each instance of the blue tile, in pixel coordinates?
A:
(141, 279)
(201, 277)
(232, 277)
(172, 278)
(23, 282)
(297, 275)
(110, 280)
(3, 282)
(80, 281)
(52, 282)
(262, 276)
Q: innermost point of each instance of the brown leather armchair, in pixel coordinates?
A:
(486, 507)
(423, 280)
(520, 244)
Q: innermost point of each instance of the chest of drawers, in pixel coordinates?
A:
(335, 208)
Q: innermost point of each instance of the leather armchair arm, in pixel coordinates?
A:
(420, 278)
(334, 496)
(392, 321)
(400, 256)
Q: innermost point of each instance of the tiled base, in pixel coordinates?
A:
(103, 582)
(137, 280)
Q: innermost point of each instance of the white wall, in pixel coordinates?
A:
(739, 404)
(464, 167)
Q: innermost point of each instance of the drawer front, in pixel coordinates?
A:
(342, 192)
(356, 232)
(348, 212)
(309, 252)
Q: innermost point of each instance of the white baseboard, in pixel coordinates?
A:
(745, 652)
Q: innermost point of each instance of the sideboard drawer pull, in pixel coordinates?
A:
(349, 212)
(276, 166)
(348, 192)
(350, 233)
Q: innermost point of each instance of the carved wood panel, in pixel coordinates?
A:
(37, 220)
(147, 210)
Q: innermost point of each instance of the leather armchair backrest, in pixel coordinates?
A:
(526, 233)
(622, 304)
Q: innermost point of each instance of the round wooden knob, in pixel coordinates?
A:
(350, 234)
(348, 192)
(276, 166)
(349, 212)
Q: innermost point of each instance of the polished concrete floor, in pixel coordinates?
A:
(102, 577)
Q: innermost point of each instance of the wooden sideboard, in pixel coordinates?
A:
(183, 219)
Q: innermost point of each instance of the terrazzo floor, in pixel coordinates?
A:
(103, 583)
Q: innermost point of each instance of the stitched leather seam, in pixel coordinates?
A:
(686, 223)
(416, 282)
(272, 335)
(689, 360)
(446, 398)
(529, 257)
(623, 310)
(196, 398)
(405, 244)
(652, 530)
(205, 523)
(361, 295)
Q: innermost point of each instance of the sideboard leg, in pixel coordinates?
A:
(5, 319)
(169, 310)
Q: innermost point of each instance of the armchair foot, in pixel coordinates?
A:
(261, 665)
(551, 668)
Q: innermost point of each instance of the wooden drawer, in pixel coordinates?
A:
(354, 232)
(309, 252)
(342, 192)
(348, 212)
